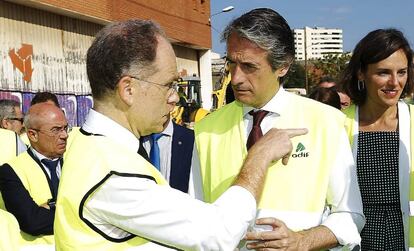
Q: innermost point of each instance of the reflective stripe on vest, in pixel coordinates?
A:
(88, 161)
(302, 185)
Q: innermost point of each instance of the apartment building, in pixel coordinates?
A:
(313, 43)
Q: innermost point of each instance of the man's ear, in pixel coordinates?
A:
(283, 71)
(32, 135)
(125, 90)
(5, 123)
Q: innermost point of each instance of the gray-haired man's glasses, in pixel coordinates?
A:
(17, 119)
(171, 87)
(54, 131)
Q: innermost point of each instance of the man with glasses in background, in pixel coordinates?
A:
(11, 116)
(29, 183)
(11, 125)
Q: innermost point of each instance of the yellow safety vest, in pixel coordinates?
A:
(8, 145)
(71, 135)
(350, 123)
(9, 232)
(89, 161)
(298, 189)
(34, 180)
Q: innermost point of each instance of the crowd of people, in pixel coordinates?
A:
(270, 171)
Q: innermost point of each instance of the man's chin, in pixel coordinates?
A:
(243, 99)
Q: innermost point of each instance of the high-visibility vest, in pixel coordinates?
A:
(9, 229)
(35, 182)
(8, 145)
(9, 232)
(295, 193)
(89, 162)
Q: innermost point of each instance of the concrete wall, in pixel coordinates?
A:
(185, 21)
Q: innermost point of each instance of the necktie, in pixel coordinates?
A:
(51, 165)
(141, 150)
(256, 132)
(155, 150)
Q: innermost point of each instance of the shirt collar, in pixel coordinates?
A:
(277, 104)
(169, 129)
(40, 156)
(97, 123)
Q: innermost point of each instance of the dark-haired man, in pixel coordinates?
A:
(110, 197)
(321, 170)
(45, 97)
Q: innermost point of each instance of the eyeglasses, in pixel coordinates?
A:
(171, 87)
(18, 119)
(54, 131)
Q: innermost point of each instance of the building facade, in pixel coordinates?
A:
(313, 43)
(43, 45)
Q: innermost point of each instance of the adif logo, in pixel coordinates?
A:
(300, 151)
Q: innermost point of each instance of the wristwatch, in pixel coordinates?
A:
(52, 204)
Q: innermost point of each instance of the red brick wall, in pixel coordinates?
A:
(185, 21)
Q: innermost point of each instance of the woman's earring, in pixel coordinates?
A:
(361, 85)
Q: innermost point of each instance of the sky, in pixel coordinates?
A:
(355, 17)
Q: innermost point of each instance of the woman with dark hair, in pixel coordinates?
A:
(379, 73)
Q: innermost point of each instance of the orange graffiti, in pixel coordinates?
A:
(22, 60)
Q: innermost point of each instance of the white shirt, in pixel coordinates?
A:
(160, 213)
(21, 147)
(40, 157)
(164, 143)
(339, 221)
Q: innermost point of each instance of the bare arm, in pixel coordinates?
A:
(273, 146)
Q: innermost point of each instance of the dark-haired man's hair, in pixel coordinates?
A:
(119, 49)
(42, 97)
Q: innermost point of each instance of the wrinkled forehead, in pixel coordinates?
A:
(242, 50)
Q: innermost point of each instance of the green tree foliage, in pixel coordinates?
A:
(330, 65)
(295, 78)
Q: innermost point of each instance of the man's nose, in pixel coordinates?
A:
(173, 100)
(237, 75)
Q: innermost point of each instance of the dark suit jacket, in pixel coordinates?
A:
(181, 155)
(33, 219)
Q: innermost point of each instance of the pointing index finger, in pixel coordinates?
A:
(296, 132)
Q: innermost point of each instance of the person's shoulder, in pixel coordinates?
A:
(6, 170)
(182, 131)
(350, 111)
(214, 118)
(308, 105)
(7, 133)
